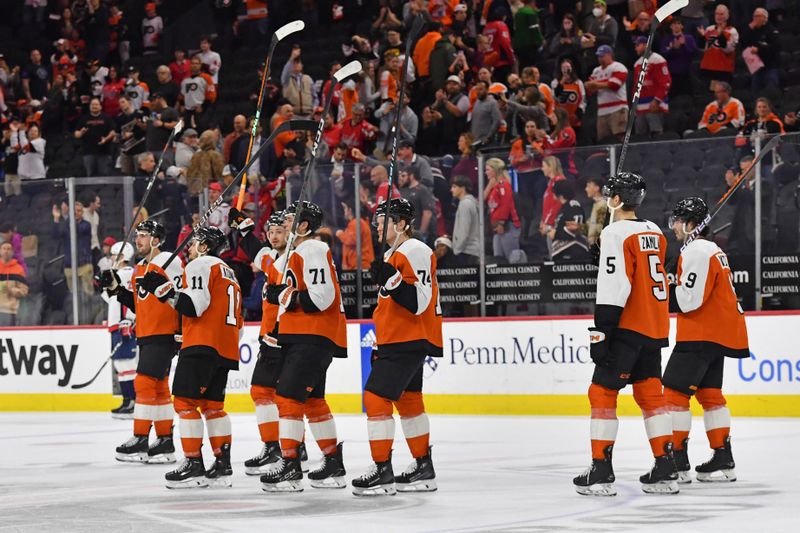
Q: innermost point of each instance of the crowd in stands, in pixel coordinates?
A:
(95, 89)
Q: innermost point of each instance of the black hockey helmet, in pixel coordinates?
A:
(275, 219)
(690, 209)
(400, 209)
(630, 187)
(213, 238)
(309, 212)
(155, 229)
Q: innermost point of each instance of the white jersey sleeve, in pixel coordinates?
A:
(198, 278)
(690, 292)
(613, 279)
(418, 256)
(262, 253)
(318, 273)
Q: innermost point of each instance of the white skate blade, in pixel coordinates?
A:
(662, 487)
(423, 485)
(222, 482)
(684, 477)
(336, 482)
(283, 486)
(161, 459)
(122, 416)
(598, 489)
(139, 457)
(199, 482)
(380, 490)
(727, 475)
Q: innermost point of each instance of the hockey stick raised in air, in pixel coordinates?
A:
(278, 36)
(113, 351)
(350, 69)
(175, 131)
(661, 15)
(289, 125)
(419, 22)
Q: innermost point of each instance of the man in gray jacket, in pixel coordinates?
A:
(466, 231)
(485, 114)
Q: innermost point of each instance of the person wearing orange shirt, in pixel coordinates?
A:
(210, 303)
(631, 325)
(724, 112)
(711, 326)
(348, 237)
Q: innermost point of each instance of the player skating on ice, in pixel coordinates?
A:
(120, 322)
(711, 326)
(631, 325)
(210, 304)
(311, 331)
(156, 326)
(408, 328)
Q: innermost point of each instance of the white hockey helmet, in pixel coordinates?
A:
(127, 251)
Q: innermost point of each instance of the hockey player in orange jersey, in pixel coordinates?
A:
(210, 303)
(711, 326)
(311, 332)
(631, 325)
(408, 327)
(157, 324)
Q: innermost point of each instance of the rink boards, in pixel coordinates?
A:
(509, 365)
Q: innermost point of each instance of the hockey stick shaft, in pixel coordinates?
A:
(289, 125)
(113, 351)
(415, 29)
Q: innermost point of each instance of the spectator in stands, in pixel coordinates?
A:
(83, 229)
(526, 158)
(765, 120)
(379, 177)
(679, 49)
(569, 92)
(423, 90)
(762, 51)
(601, 29)
(198, 93)
(13, 286)
(239, 129)
(467, 164)
(719, 58)
(450, 110)
(181, 68)
(185, 148)
(554, 172)
(160, 122)
(136, 90)
(211, 59)
(640, 27)
(357, 133)
(348, 237)
(486, 116)
(790, 121)
(113, 89)
(206, 165)
(429, 134)
(219, 217)
(8, 233)
(466, 230)
(500, 53)
(528, 37)
(96, 131)
(130, 129)
(443, 250)
(594, 188)
(694, 16)
(152, 26)
(165, 85)
(91, 205)
(608, 81)
(409, 123)
(298, 87)
(502, 211)
(36, 78)
(30, 149)
(442, 59)
(423, 201)
(97, 30)
(724, 112)
(567, 42)
(560, 142)
(569, 242)
(654, 99)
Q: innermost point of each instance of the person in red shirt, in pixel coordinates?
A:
(112, 90)
(502, 211)
(500, 53)
(332, 132)
(551, 166)
(180, 68)
(356, 132)
(561, 141)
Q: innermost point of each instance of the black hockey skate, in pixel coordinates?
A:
(331, 472)
(598, 479)
(134, 450)
(220, 474)
(303, 455)
(377, 481)
(191, 474)
(720, 467)
(162, 451)
(418, 477)
(682, 463)
(285, 477)
(124, 411)
(264, 461)
(663, 477)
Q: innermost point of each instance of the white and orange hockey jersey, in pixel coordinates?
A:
(710, 318)
(396, 327)
(312, 272)
(214, 291)
(157, 321)
(632, 286)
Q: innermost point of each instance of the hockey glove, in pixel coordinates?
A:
(239, 221)
(282, 295)
(158, 285)
(109, 280)
(598, 349)
(126, 328)
(385, 275)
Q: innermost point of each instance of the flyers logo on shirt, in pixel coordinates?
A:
(721, 117)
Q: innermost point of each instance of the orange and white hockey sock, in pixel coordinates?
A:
(716, 415)
(604, 423)
(218, 424)
(415, 423)
(266, 412)
(380, 426)
(291, 427)
(164, 414)
(190, 424)
(678, 405)
(322, 425)
(657, 419)
(146, 407)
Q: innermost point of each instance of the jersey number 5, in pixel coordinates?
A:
(658, 276)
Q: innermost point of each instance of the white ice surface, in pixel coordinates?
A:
(510, 474)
